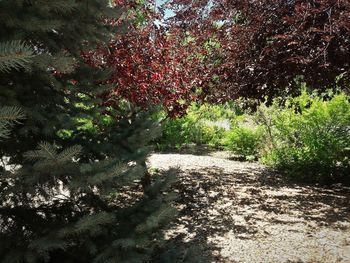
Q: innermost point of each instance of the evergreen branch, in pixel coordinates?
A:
(11, 114)
(109, 175)
(43, 152)
(89, 222)
(14, 55)
(46, 155)
(164, 213)
(47, 244)
(42, 25)
(8, 117)
(69, 153)
(48, 148)
(58, 6)
(60, 62)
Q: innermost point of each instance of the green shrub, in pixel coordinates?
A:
(243, 141)
(181, 131)
(310, 137)
(215, 112)
(189, 130)
(212, 135)
(199, 126)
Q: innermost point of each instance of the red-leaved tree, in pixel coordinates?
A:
(265, 44)
(150, 65)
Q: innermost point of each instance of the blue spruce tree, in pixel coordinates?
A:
(70, 187)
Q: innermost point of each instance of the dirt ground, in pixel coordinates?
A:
(242, 212)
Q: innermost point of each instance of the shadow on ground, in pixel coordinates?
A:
(257, 211)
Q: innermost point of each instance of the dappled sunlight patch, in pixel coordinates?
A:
(286, 243)
(242, 212)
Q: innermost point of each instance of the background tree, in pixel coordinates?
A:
(264, 45)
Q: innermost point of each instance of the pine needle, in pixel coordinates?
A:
(14, 55)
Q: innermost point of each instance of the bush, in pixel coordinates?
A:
(310, 137)
(307, 137)
(181, 131)
(243, 141)
(203, 124)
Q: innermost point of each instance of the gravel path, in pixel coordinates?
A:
(240, 212)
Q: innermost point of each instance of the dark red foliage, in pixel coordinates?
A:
(266, 43)
(263, 46)
(149, 65)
